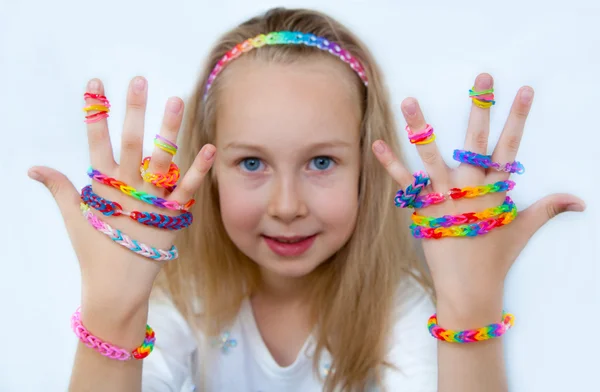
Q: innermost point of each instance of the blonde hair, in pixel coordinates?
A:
(354, 293)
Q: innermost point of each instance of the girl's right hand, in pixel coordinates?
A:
(115, 278)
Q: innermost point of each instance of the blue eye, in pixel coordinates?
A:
(322, 163)
(250, 164)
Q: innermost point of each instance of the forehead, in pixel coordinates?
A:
(307, 101)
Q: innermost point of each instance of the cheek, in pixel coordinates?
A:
(240, 210)
(337, 206)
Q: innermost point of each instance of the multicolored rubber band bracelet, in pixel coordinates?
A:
(167, 181)
(123, 239)
(425, 136)
(406, 198)
(286, 38)
(471, 335)
(111, 208)
(459, 193)
(139, 195)
(485, 161)
(465, 218)
(469, 230)
(107, 349)
(483, 99)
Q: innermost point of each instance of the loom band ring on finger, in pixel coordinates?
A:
(465, 218)
(170, 148)
(483, 99)
(98, 97)
(167, 181)
(166, 141)
(468, 230)
(112, 208)
(124, 240)
(485, 161)
(459, 193)
(139, 195)
(406, 198)
(422, 137)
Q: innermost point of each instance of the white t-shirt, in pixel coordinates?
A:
(240, 361)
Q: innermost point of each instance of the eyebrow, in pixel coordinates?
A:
(328, 144)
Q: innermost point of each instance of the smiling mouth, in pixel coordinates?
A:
(289, 246)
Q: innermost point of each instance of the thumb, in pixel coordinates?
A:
(63, 191)
(539, 213)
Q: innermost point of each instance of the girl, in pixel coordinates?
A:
(298, 273)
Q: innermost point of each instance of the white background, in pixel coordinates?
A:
(432, 51)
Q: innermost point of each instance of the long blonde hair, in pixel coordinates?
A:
(354, 293)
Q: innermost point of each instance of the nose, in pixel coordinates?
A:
(286, 202)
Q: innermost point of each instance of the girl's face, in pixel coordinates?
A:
(288, 162)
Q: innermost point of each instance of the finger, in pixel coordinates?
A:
(133, 130)
(429, 153)
(391, 163)
(101, 153)
(195, 175)
(161, 160)
(510, 139)
(538, 214)
(66, 196)
(478, 130)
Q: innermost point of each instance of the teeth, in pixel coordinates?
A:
(289, 241)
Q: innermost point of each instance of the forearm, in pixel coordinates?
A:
(471, 367)
(94, 372)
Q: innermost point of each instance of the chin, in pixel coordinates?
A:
(298, 268)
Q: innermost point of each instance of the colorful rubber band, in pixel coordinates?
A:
(465, 218)
(459, 193)
(112, 208)
(286, 38)
(107, 349)
(139, 195)
(485, 161)
(469, 230)
(425, 136)
(471, 335)
(165, 147)
(167, 141)
(483, 99)
(102, 109)
(124, 240)
(406, 198)
(167, 181)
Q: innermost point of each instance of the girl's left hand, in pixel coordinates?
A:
(469, 272)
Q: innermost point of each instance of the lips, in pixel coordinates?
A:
(290, 246)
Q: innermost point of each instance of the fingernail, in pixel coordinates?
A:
(526, 95)
(34, 175)
(93, 86)
(379, 147)
(139, 85)
(484, 83)
(174, 105)
(209, 152)
(575, 207)
(411, 108)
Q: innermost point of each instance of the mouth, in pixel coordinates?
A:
(290, 246)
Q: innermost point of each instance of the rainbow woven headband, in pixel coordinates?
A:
(287, 38)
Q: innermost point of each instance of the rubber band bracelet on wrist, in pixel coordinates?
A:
(469, 230)
(139, 195)
(465, 218)
(485, 161)
(111, 208)
(471, 335)
(167, 181)
(123, 239)
(108, 350)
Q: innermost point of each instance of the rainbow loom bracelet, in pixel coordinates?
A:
(108, 208)
(124, 240)
(286, 38)
(468, 230)
(465, 218)
(471, 335)
(406, 198)
(483, 99)
(485, 161)
(107, 349)
(139, 195)
(167, 181)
